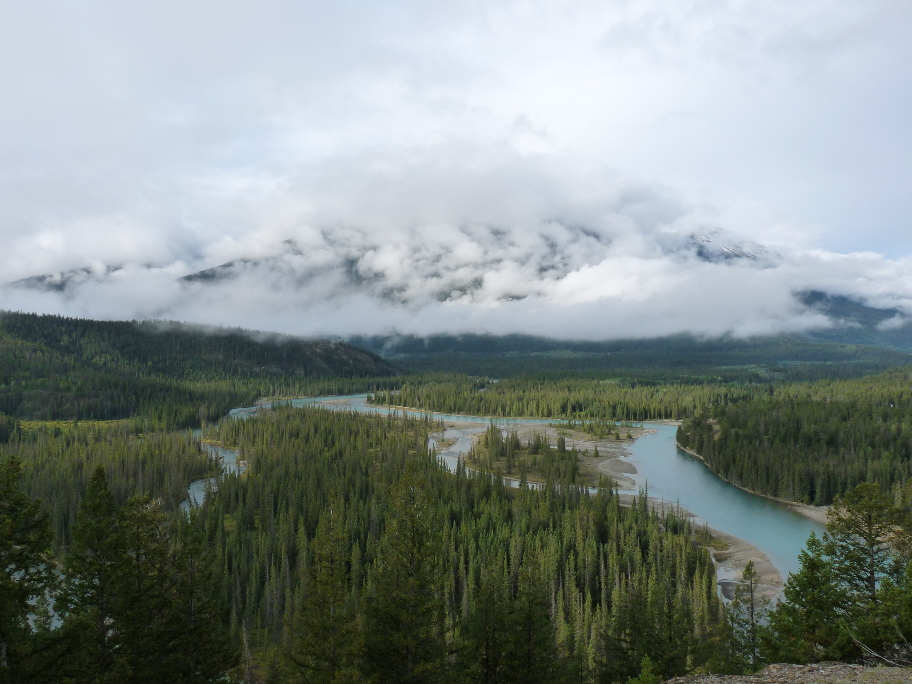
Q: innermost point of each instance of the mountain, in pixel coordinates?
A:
(857, 323)
(795, 357)
(177, 374)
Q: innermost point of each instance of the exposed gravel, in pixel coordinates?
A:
(820, 673)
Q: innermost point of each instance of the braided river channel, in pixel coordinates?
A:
(664, 470)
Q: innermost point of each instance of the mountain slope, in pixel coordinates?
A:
(665, 358)
(176, 374)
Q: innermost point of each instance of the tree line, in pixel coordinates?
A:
(572, 398)
(811, 442)
(805, 442)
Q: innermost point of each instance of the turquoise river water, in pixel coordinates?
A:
(664, 470)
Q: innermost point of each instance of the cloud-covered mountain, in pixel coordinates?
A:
(588, 169)
(510, 246)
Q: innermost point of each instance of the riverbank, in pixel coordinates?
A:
(730, 553)
(816, 513)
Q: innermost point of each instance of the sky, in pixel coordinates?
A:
(576, 169)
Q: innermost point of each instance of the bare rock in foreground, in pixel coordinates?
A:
(819, 673)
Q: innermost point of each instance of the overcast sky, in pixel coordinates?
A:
(566, 168)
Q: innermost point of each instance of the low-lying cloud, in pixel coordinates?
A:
(508, 243)
(590, 168)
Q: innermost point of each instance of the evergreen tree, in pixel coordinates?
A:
(204, 649)
(325, 632)
(861, 526)
(485, 631)
(746, 612)
(94, 572)
(25, 569)
(138, 601)
(530, 656)
(403, 620)
(804, 626)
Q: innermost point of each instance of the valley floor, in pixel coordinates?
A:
(730, 553)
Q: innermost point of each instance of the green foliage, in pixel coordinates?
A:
(139, 603)
(536, 461)
(671, 359)
(851, 598)
(324, 638)
(168, 374)
(547, 584)
(25, 576)
(746, 612)
(647, 675)
(804, 627)
(592, 401)
(811, 442)
(57, 465)
(404, 604)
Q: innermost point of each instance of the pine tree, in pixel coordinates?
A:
(861, 526)
(746, 612)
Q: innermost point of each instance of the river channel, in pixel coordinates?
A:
(664, 470)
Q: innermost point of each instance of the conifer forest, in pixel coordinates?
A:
(344, 550)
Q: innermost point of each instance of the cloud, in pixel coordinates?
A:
(494, 242)
(501, 166)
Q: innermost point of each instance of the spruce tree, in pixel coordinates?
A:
(94, 571)
(25, 569)
(530, 656)
(403, 617)
(485, 632)
(804, 626)
(324, 643)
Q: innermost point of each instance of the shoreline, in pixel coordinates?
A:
(816, 513)
(730, 554)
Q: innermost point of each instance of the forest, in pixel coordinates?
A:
(841, 354)
(801, 441)
(811, 442)
(166, 374)
(346, 552)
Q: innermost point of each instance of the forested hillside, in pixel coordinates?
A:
(674, 358)
(810, 442)
(169, 374)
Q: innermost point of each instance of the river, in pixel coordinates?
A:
(666, 471)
